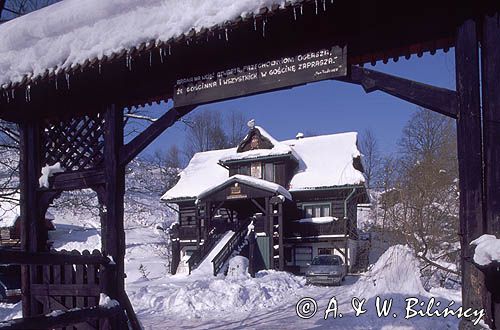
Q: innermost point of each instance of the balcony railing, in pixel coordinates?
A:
(306, 229)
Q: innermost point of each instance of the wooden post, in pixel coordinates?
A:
(113, 234)
(251, 253)
(490, 61)
(270, 222)
(469, 160)
(280, 230)
(31, 227)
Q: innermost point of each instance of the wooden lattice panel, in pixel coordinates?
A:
(77, 143)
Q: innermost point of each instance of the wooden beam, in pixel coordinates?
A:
(259, 206)
(13, 257)
(470, 164)
(67, 318)
(441, 100)
(77, 180)
(490, 61)
(112, 229)
(141, 141)
(31, 226)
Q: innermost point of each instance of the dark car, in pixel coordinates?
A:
(326, 269)
(10, 283)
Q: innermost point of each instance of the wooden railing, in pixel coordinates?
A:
(203, 250)
(234, 242)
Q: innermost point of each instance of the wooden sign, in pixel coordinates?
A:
(262, 77)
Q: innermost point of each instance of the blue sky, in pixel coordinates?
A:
(330, 107)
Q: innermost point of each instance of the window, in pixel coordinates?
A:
(269, 171)
(256, 170)
(322, 251)
(244, 169)
(316, 210)
(303, 255)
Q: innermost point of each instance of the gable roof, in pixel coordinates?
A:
(251, 181)
(325, 161)
(72, 33)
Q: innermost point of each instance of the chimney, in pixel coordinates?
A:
(299, 136)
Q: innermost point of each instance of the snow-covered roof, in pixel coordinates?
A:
(251, 181)
(324, 161)
(72, 32)
(9, 212)
(277, 150)
(202, 172)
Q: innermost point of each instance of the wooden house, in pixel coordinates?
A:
(299, 197)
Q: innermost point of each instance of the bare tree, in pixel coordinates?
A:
(420, 200)
(371, 157)
(210, 130)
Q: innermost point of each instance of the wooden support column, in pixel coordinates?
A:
(469, 160)
(113, 235)
(280, 230)
(31, 227)
(490, 61)
(270, 221)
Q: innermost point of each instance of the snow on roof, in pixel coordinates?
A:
(9, 212)
(202, 172)
(72, 32)
(324, 161)
(251, 181)
(277, 150)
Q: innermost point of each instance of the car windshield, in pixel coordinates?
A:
(326, 260)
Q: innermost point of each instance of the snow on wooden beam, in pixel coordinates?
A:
(15, 257)
(441, 100)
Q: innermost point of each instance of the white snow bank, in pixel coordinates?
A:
(216, 296)
(47, 172)
(10, 311)
(238, 267)
(396, 271)
(73, 31)
(251, 181)
(487, 249)
(318, 220)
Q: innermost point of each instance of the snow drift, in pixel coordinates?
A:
(183, 298)
(396, 271)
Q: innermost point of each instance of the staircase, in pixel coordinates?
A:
(231, 246)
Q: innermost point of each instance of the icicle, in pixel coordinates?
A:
(301, 10)
(6, 95)
(67, 79)
(28, 93)
(294, 14)
(12, 94)
(129, 62)
(100, 67)
(227, 38)
(264, 28)
(150, 58)
(169, 50)
(255, 23)
(316, 4)
(332, 2)
(57, 86)
(161, 55)
(324, 5)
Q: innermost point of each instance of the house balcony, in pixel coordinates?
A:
(316, 227)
